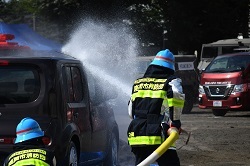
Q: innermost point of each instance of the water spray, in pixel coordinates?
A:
(108, 51)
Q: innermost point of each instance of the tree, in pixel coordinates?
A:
(15, 11)
(192, 23)
(188, 24)
(148, 21)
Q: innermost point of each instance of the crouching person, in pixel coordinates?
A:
(29, 148)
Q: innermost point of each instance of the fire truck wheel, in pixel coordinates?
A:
(219, 112)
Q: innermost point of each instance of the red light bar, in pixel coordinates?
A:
(4, 37)
(4, 44)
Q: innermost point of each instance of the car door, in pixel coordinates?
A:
(101, 113)
(78, 103)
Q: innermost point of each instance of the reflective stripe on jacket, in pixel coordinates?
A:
(35, 162)
(147, 96)
(37, 157)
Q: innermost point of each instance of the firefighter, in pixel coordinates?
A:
(29, 148)
(155, 108)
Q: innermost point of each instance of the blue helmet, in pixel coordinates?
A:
(164, 58)
(28, 129)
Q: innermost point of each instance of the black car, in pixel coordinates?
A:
(55, 89)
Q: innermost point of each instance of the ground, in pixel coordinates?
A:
(214, 141)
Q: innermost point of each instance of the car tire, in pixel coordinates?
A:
(72, 156)
(112, 154)
(219, 112)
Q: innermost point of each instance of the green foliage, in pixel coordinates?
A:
(203, 21)
(148, 20)
(15, 11)
(60, 10)
(189, 24)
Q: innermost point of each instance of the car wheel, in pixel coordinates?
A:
(112, 156)
(219, 112)
(72, 157)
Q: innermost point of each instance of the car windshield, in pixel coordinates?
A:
(18, 84)
(228, 64)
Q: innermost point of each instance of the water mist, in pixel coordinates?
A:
(108, 51)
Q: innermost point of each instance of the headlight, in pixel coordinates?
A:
(239, 88)
(201, 89)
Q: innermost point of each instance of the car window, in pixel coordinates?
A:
(74, 84)
(77, 84)
(219, 64)
(228, 49)
(91, 86)
(19, 84)
(213, 51)
(209, 52)
(229, 63)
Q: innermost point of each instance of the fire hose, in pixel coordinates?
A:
(173, 136)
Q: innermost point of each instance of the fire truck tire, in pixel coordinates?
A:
(219, 112)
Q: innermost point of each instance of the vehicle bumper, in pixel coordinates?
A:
(233, 102)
